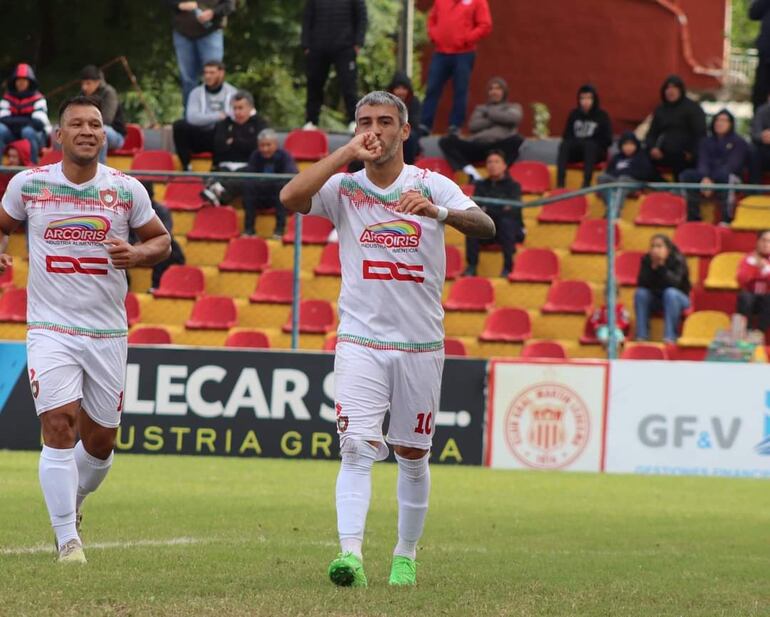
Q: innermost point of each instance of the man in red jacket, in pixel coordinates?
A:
(754, 279)
(455, 27)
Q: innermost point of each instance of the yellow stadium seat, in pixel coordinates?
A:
(752, 213)
(701, 327)
(722, 271)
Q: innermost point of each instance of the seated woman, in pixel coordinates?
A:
(663, 284)
(754, 279)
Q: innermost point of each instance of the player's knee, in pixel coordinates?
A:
(100, 449)
(58, 429)
(358, 453)
(410, 453)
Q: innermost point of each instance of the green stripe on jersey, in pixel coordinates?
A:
(390, 345)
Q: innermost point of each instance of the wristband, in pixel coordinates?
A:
(442, 214)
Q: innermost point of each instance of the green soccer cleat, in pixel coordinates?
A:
(347, 570)
(403, 571)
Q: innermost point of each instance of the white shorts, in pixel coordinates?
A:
(369, 382)
(63, 368)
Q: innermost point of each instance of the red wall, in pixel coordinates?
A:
(546, 49)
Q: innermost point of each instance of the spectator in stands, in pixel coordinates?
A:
(401, 86)
(599, 320)
(754, 280)
(678, 125)
(760, 11)
(493, 126)
(760, 142)
(234, 140)
(630, 164)
(723, 157)
(586, 137)
(17, 154)
(208, 104)
(268, 158)
(333, 33)
(455, 28)
(663, 284)
(24, 112)
(508, 220)
(198, 37)
(92, 84)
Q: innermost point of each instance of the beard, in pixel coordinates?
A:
(387, 155)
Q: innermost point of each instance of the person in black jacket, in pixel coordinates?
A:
(508, 220)
(587, 135)
(630, 164)
(760, 11)
(678, 125)
(401, 86)
(663, 284)
(92, 83)
(333, 32)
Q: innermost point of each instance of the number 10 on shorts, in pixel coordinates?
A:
(424, 423)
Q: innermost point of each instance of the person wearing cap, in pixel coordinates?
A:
(92, 84)
(24, 112)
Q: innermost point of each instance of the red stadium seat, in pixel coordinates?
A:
(149, 335)
(472, 293)
(181, 282)
(315, 317)
(436, 163)
(213, 313)
(662, 209)
(642, 351)
(697, 239)
(591, 237)
(454, 347)
(329, 264)
(133, 142)
(627, 265)
(246, 254)
(709, 300)
(535, 266)
(569, 297)
(510, 325)
(274, 286)
(13, 305)
(315, 229)
(152, 160)
(253, 339)
(533, 176)
(306, 145)
(731, 241)
(133, 312)
(571, 210)
(330, 344)
(6, 278)
(454, 262)
(544, 349)
(202, 155)
(184, 194)
(49, 157)
(214, 224)
(589, 333)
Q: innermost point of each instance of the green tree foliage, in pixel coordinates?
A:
(744, 31)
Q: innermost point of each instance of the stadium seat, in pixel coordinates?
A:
(509, 325)
(662, 209)
(700, 328)
(152, 160)
(213, 313)
(6, 278)
(436, 163)
(307, 145)
(627, 265)
(535, 266)
(471, 293)
(274, 286)
(731, 241)
(330, 344)
(644, 351)
(315, 317)
(181, 282)
(184, 194)
(454, 347)
(711, 300)
(133, 142)
(533, 176)
(544, 349)
(697, 239)
(722, 272)
(569, 297)
(133, 312)
(315, 229)
(253, 339)
(49, 157)
(454, 262)
(215, 224)
(149, 335)
(329, 264)
(246, 254)
(591, 237)
(571, 210)
(13, 305)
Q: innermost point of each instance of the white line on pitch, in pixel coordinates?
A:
(48, 548)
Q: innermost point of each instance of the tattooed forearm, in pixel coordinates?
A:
(472, 222)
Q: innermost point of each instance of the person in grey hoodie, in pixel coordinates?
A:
(92, 83)
(493, 126)
(208, 104)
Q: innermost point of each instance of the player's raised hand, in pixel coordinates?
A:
(122, 254)
(413, 202)
(365, 147)
(6, 261)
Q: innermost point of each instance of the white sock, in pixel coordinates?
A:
(354, 490)
(413, 492)
(59, 481)
(472, 172)
(91, 471)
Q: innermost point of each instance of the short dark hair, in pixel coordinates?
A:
(243, 95)
(217, 63)
(762, 232)
(78, 100)
(91, 71)
(496, 152)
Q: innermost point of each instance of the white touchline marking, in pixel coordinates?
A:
(48, 548)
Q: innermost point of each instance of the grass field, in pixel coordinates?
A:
(215, 536)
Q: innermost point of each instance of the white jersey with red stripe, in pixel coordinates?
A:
(72, 286)
(393, 264)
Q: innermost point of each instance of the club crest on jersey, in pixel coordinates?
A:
(77, 230)
(108, 197)
(399, 234)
